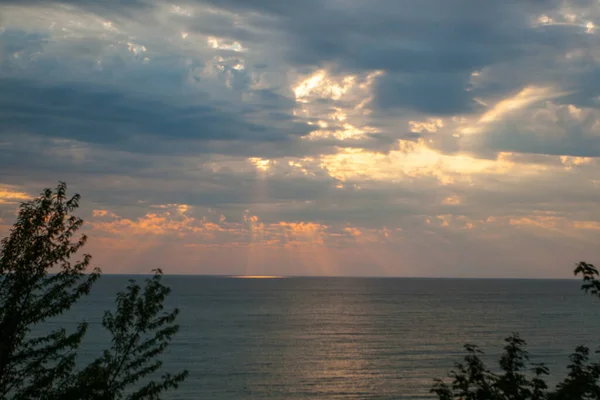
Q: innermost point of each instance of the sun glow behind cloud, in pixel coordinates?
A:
(320, 85)
(415, 160)
(524, 98)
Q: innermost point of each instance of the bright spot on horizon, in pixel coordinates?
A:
(257, 277)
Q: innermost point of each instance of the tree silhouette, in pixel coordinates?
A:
(39, 280)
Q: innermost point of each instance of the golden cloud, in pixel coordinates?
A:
(10, 195)
(197, 232)
(412, 160)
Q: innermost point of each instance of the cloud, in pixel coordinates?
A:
(115, 119)
(310, 137)
(176, 222)
(428, 50)
(317, 249)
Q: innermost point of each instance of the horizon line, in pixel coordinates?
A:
(253, 276)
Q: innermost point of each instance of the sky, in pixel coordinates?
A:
(428, 138)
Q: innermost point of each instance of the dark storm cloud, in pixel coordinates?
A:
(107, 116)
(573, 143)
(15, 41)
(439, 94)
(585, 86)
(114, 7)
(119, 4)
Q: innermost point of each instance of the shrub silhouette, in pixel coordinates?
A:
(518, 378)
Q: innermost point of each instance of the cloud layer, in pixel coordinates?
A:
(418, 138)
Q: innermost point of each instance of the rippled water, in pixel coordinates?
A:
(349, 338)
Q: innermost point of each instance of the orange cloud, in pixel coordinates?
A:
(297, 233)
(201, 231)
(561, 224)
(9, 195)
(154, 224)
(173, 236)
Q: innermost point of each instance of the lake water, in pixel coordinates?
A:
(348, 338)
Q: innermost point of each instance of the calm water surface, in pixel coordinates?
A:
(348, 338)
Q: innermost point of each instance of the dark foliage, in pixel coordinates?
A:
(140, 332)
(39, 280)
(519, 379)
